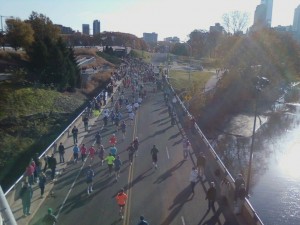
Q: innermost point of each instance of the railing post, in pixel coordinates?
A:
(6, 213)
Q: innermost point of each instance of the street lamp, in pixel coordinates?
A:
(261, 82)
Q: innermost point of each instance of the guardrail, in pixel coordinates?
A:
(62, 135)
(249, 212)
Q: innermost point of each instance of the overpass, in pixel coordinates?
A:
(163, 196)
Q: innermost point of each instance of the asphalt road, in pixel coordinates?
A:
(163, 196)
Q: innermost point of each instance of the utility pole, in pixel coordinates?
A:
(6, 213)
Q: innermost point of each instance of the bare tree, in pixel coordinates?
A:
(235, 22)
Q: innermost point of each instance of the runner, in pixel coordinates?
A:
(75, 134)
(130, 150)
(186, 146)
(101, 154)
(98, 138)
(113, 140)
(86, 123)
(123, 129)
(83, 152)
(75, 153)
(121, 200)
(136, 145)
(92, 152)
(117, 164)
(89, 179)
(201, 161)
(113, 150)
(131, 117)
(154, 152)
(110, 162)
(142, 221)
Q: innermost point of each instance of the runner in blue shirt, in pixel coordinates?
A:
(89, 179)
(117, 164)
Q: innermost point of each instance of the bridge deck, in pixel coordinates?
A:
(163, 196)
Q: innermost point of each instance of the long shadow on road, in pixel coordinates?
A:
(168, 173)
(183, 197)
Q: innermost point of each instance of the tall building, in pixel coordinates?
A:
(216, 28)
(269, 10)
(296, 23)
(86, 29)
(263, 15)
(65, 30)
(150, 37)
(96, 27)
(172, 39)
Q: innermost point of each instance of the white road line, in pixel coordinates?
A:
(168, 155)
(182, 220)
(73, 184)
(66, 198)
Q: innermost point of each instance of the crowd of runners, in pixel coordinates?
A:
(119, 111)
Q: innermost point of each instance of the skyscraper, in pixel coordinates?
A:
(296, 23)
(96, 27)
(269, 10)
(86, 29)
(263, 15)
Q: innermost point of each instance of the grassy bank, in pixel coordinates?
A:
(180, 79)
(30, 119)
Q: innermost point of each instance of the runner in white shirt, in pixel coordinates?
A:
(131, 117)
(136, 106)
(129, 108)
(140, 100)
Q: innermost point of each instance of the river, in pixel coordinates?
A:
(276, 192)
(275, 180)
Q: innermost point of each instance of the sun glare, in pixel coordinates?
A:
(289, 163)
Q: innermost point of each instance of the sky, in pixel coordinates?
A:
(167, 18)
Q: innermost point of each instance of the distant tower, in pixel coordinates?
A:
(96, 27)
(263, 15)
(269, 10)
(296, 23)
(86, 29)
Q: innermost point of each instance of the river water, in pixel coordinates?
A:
(276, 192)
(275, 180)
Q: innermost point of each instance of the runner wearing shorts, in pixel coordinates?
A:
(121, 201)
(154, 152)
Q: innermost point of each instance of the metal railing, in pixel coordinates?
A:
(52, 144)
(247, 204)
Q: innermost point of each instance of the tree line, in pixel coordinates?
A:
(50, 60)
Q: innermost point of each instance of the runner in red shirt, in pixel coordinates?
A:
(83, 152)
(113, 140)
(92, 152)
(121, 200)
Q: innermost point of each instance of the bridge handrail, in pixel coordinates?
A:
(217, 158)
(51, 145)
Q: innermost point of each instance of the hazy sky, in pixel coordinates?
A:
(165, 17)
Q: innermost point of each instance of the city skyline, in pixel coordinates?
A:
(163, 17)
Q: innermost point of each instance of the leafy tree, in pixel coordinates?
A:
(43, 27)
(198, 41)
(267, 53)
(180, 49)
(235, 22)
(18, 33)
(2, 40)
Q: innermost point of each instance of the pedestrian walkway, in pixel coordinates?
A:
(36, 200)
(161, 191)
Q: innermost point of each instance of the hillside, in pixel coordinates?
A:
(32, 115)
